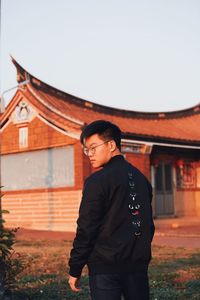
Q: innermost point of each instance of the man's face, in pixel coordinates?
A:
(98, 150)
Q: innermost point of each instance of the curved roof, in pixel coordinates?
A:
(62, 108)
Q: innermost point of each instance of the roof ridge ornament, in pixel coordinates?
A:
(20, 84)
(23, 113)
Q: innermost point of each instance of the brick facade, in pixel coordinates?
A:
(140, 161)
(153, 142)
(50, 210)
(40, 136)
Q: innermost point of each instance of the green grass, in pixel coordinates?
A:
(49, 288)
(174, 273)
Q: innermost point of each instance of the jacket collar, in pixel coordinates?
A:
(114, 159)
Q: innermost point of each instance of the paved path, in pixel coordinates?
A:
(178, 232)
(189, 242)
(169, 232)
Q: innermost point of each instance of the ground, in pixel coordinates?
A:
(174, 270)
(175, 232)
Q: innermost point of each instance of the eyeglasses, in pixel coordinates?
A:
(92, 150)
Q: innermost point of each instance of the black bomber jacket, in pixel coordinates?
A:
(115, 226)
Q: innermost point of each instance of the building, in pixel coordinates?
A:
(43, 167)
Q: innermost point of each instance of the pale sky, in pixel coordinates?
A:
(139, 55)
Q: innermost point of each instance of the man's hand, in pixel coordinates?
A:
(74, 283)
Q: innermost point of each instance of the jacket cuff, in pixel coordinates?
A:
(75, 271)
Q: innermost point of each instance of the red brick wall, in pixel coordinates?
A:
(140, 161)
(40, 136)
(78, 165)
(56, 210)
(187, 203)
(10, 139)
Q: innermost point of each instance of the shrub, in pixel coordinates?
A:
(10, 264)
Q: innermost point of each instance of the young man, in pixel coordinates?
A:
(115, 226)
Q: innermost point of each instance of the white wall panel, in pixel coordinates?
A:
(38, 169)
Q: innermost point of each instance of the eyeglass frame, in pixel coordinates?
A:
(93, 148)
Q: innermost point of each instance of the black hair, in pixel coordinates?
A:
(105, 129)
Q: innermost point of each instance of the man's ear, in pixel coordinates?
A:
(112, 145)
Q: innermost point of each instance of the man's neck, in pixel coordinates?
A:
(115, 153)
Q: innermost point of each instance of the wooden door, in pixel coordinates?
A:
(164, 202)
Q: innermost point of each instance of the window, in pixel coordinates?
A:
(185, 176)
(23, 137)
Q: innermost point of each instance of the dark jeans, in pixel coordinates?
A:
(113, 286)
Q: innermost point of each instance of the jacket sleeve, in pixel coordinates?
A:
(88, 224)
(152, 223)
